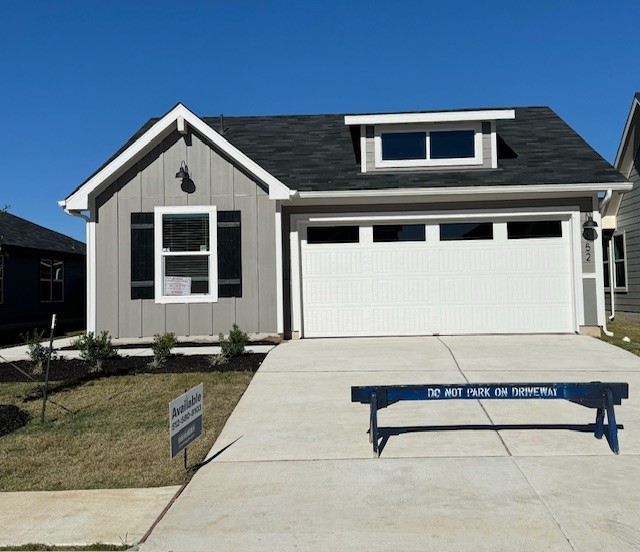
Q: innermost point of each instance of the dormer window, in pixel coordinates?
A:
(442, 139)
(440, 146)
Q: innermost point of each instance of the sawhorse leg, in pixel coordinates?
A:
(611, 423)
(373, 425)
(599, 423)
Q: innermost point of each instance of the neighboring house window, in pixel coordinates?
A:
(619, 263)
(1, 278)
(51, 281)
(185, 255)
(398, 146)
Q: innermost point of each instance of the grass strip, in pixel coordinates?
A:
(115, 433)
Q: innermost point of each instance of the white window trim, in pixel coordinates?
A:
(212, 296)
(427, 162)
(616, 287)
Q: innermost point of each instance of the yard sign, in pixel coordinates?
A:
(185, 419)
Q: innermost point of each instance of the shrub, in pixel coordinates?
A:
(38, 353)
(95, 349)
(235, 343)
(161, 347)
(218, 360)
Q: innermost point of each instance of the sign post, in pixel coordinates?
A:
(185, 420)
(45, 388)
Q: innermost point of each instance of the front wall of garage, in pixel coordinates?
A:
(449, 287)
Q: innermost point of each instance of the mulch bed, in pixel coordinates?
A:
(66, 370)
(11, 418)
(181, 344)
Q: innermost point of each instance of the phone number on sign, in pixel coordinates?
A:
(186, 417)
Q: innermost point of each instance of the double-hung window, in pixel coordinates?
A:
(619, 263)
(186, 254)
(51, 281)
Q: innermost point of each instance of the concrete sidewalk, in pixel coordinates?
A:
(293, 468)
(67, 518)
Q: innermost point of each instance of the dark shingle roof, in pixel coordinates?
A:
(19, 232)
(316, 152)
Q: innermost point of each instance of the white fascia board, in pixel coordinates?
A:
(625, 134)
(177, 117)
(439, 117)
(467, 190)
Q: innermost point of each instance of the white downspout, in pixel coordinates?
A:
(611, 281)
(603, 204)
(612, 293)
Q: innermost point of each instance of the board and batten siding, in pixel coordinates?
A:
(371, 153)
(628, 220)
(151, 183)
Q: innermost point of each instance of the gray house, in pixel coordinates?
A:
(447, 222)
(621, 242)
(41, 272)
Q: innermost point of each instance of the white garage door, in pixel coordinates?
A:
(380, 279)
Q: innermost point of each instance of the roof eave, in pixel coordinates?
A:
(174, 119)
(622, 148)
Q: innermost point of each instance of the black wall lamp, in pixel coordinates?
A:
(183, 171)
(590, 223)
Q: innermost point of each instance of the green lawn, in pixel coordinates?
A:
(117, 435)
(624, 328)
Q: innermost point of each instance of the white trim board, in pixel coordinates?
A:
(446, 191)
(432, 117)
(177, 118)
(635, 105)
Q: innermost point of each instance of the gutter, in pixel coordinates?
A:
(466, 190)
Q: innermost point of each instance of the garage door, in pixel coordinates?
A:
(379, 279)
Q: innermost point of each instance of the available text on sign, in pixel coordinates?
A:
(185, 419)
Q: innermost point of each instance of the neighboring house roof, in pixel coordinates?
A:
(18, 232)
(630, 140)
(320, 153)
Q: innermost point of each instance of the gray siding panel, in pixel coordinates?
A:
(589, 293)
(267, 284)
(152, 183)
(245, 201)
(628, 220)
(107, 265)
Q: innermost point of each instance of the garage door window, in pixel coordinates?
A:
(466, 231)
(534, 229)
(398, 232)
(333, 234)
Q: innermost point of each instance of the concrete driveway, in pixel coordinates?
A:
(293, 468)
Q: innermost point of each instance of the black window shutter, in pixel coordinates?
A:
(229, 254)
(142, 285)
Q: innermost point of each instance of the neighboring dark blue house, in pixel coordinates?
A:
(41, 272)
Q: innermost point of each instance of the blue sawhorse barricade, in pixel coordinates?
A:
(600, 395)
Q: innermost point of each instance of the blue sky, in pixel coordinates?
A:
(80, 77)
